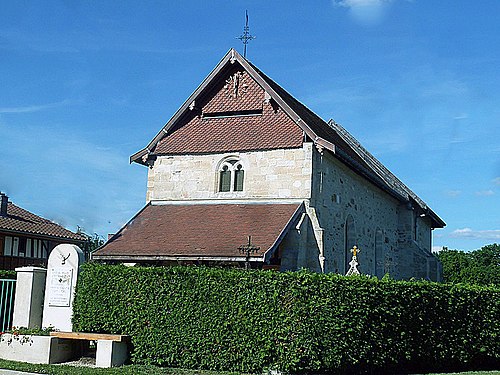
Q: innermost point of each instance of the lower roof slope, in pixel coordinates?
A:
(200, 231)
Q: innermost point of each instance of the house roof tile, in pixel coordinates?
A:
(19, 220)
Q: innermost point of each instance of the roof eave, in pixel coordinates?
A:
(42, 236)
(138, 258)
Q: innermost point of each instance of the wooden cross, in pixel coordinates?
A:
(247, 250)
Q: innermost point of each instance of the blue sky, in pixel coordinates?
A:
(85, 84)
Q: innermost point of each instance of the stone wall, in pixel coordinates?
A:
(284, 173)
(353, 211)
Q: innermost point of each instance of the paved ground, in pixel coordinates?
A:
(12, 372)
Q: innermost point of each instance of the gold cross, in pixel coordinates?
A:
(355, 250)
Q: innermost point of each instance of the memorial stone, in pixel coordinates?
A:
(62, 273)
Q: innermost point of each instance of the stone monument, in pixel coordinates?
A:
(62, 273)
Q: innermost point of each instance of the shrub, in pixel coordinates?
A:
(222, 319)
(7, 274)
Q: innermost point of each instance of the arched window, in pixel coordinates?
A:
(231, 176)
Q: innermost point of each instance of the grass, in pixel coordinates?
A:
(139, 369)
(128, 369)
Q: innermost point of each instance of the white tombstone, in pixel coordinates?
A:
(62, 274)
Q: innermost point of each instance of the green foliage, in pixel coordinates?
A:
(4, 274)
(91, 244)
(37, 331)
(476, 267)
(222, 319)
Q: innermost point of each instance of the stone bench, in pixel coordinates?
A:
(111, 349)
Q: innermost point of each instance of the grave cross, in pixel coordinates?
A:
(247, 250)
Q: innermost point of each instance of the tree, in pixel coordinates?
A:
(480, 266)
(92, 242)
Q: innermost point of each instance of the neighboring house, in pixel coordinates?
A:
(27, 239)
(242, 157)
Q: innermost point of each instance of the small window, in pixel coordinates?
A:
(36, 248)
(45, 249)
(231, 176)
(22, 247)
(225, 179)
(29, 254)
(239, 173)
(8, 246)
(15, 246)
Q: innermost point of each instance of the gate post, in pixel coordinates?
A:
(28, 303)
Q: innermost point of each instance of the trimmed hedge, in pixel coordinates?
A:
(4, 274)
(222, 319)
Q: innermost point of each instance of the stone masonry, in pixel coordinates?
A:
(284, 173)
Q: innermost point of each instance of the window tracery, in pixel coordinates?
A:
(231, 176)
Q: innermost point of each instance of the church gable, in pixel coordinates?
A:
(235, 91)
(234, 113)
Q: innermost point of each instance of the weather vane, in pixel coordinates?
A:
(245, 37)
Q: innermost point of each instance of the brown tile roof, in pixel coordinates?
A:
(21, 221)
(201, 230)
(262, 132)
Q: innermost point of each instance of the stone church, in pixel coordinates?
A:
(243, 163)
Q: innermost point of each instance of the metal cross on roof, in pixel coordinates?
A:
(245, 37)
(247, 250)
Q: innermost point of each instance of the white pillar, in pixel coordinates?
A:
(28, 302)
(110, 353)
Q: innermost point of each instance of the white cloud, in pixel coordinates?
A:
(461, 116)
(437, 249)
(453, 193)
(496, 181)
(485, 193)
(359, 3)
(483, 234)
(366, 12)
(33, 108)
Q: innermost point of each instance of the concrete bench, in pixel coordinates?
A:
(111, 349)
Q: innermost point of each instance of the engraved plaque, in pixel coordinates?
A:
(59, 292)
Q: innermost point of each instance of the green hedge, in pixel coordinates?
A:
(7, 274)
(238, 320)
